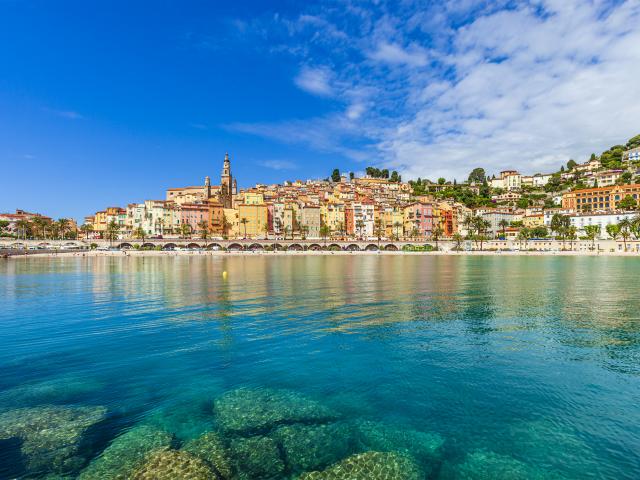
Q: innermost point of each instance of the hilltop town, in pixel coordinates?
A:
(597, 198)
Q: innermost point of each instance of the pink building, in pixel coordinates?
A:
(419, 217)
(193, 214)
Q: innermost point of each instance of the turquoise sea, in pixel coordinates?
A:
(354, 367)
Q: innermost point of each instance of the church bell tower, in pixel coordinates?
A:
(226, 183)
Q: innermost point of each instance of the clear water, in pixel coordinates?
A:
(535, 359)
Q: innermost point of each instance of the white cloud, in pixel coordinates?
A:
(278, 164)
(315, 81)
(69, 114)
(394, 54)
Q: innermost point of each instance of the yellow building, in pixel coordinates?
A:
(392, 219)
(231, 223)
(253, 198)
(100, 221)
(253, 220)
(533, 221)
(332, 215)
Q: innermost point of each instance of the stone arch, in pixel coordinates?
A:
(44, 245)
(169, 246)
(254, 247)
(125, 246)
(214, 246)
(314, 247)
(296, 247)
(148, 245)
(17, 245)
(278, 247)
(391, 248)
(235, 247)
(334, 247)
(372, 247)
(193, 245)
(352, 247)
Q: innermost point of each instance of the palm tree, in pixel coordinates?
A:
(287, 230)
(359, 227)
(592, 232)
(185, 230)
(63, 225)
(139, 233)
(160, 223)
(265, 229)
(625, 227)
(503, 224)
(39, 225)
(457, 237)
(325, 231)
(572, 235)
(204, 229)
(397, 225)
(86, 228)
(112, 231)
(23, 226)
(436, 234)
(244, 222)
(378, 231)
(225, 226)
(524, 235)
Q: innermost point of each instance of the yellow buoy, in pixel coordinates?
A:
(224, 274)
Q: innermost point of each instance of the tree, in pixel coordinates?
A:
(351, 175)
(613, 230)
(225, 226)
(503, 224)
(628, 203)
(395, 178)
(633, 142)
(3, 226)
(243, 222)
(436, 234)
(203, 225)
(477, 175)
(458, 239)
(378, 230)
(442, 181)
(23, 227)
(592, 232)
(185, 230)
(86, 228)
(335, 175)
(265, 229)
(571, 164)
(140, 234)
(572, 235)
(625, 226)
(112, 231)
(522, 203)
(359, 227)
(396, 227)
(325, 231)
(524, 235)
(63, 225)
(559, 225)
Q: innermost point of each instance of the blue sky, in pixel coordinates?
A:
(108, 103)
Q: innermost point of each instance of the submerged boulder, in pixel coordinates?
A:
(257, 458)
(55, 390)
(314, 447)
(174, 465)
(210, 448)
(370, 466)
(127, 453)
(486, 465)
(52, 436)
(384, 437)
(252, 411)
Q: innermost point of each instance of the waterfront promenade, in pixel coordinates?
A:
(173, 245)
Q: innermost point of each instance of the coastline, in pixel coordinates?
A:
(210, 253)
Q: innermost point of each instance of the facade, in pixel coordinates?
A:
(253, 220)
(310, 220)
(632, 155)
(598, 199)
(581, 220)
(494, 217)
(196, 216)
(419, 219)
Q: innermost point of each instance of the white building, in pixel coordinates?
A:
(602, 219)
(632, 155)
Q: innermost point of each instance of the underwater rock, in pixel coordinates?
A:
(52, 436)
(257, 458)
(174, 465)
(425, 447)
(259, 410)
(127, 453)
(210, 448)
(56, 390)
(370, 466)
(186, 420)
(486, 465)
(314, 447)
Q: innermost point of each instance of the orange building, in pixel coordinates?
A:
(603, 198)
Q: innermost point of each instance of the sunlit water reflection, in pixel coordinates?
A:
(471, 367)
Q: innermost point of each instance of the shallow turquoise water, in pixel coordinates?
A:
(533, 359)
